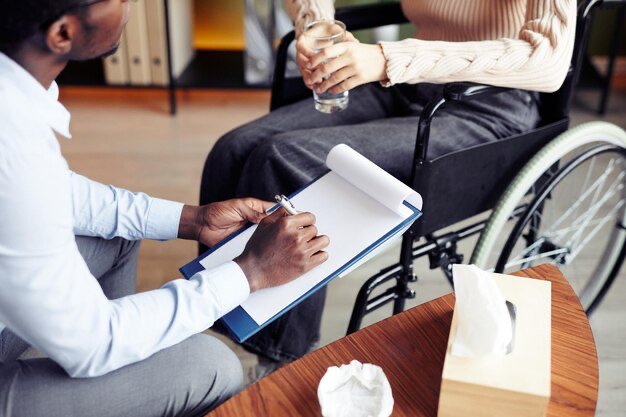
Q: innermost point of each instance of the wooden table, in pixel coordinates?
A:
(410, 347)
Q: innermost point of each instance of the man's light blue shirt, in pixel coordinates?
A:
(48, 297)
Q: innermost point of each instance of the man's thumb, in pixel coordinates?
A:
(251, 215)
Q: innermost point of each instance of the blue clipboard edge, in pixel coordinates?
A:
(242, 326)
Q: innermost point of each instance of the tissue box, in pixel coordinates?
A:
(517, 384)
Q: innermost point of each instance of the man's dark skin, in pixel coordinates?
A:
(281, 249)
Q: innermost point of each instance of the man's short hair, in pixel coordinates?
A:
(21, 19)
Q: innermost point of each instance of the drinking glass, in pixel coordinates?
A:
(318, 35)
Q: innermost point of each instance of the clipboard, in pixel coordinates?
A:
(353, 192)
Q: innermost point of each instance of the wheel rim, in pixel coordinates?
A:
(570, 229)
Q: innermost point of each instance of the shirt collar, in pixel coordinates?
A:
(45, 101)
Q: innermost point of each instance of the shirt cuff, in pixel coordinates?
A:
(163, 219)
(229, 283)
(399, 56)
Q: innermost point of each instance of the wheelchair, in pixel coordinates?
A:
(540, 196)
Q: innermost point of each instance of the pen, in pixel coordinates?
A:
(286, 204)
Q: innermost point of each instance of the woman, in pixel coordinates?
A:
(521, 44)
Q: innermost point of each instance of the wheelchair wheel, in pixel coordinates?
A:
(566, 207)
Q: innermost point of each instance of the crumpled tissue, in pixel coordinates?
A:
(355, 390)
(483, 320)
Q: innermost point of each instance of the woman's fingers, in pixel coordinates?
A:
(301, 60)
(306, 76)
(327, 54)
(329, 67)
(350, 37)
(347, 85)
(335, 79)
(303, 48)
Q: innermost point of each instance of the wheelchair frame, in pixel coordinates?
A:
(428, 176)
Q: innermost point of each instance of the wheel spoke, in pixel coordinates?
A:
(587, 178)
(594, 209)
(538, 256)
(529, 249)
(580, 224)
(595, 186)
(566, 230)
(589, 170)
(587, 215)
(576, 250)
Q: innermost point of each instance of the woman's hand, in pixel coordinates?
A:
(303, 53)
(345, 65)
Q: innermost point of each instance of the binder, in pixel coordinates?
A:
(116, 65)
(181, 38)
(357, 204)
(137, 45)
(181, 34)
(157, 40)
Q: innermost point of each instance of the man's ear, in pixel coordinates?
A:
(61, 35)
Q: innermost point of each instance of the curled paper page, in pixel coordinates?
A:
(483, 320)
(371, 179)
(355, 390)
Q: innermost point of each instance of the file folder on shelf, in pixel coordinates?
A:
(137, 45)
(157, 39)
(116, 65)
(357, 204)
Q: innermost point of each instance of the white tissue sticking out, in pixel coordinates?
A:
(483, 320)
(355, 390)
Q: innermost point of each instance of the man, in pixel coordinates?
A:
(68, 250)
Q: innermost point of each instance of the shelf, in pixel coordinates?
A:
(85, 73)
(214, 69)
(208, 69)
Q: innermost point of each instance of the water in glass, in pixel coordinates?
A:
(319, 35)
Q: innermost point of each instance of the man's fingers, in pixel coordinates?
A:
(302, 219)
(318, 244)
(276, 215)
(319, 258)
(260, 206)
(309, 232)
(326, 54)
(250, 210)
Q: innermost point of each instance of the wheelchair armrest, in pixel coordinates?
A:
(464, 91)
(459, 91)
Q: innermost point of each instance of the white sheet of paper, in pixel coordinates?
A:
(352, 219)
(371, 179)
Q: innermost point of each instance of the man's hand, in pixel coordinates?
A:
(211, 223)
(281, 249)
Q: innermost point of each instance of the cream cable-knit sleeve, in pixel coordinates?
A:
(537, 60)
(303, 12)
